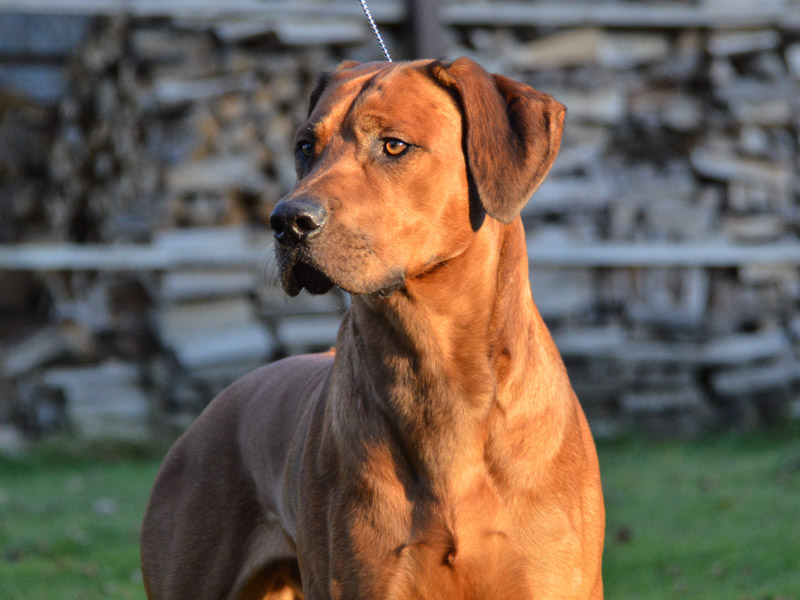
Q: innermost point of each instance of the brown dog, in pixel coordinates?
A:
(440, 452)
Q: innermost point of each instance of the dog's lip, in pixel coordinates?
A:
(305, 275)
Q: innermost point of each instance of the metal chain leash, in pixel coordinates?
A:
(375, 30)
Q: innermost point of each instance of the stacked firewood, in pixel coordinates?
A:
(683, 136)
(682, 131)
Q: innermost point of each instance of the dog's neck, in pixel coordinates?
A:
(451, 347)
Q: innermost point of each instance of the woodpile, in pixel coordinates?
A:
(664, 245)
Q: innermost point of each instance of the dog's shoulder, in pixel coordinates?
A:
(278, 386)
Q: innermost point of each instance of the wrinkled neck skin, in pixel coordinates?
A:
(438, 358)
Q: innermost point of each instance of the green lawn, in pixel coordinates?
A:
(714, 519)
(69, 522)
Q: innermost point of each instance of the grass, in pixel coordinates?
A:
(69, 519)
(711, 519)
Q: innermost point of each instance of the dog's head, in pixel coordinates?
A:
(398, 165)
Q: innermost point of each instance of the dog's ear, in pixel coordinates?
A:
(324, 80)
(512, 134)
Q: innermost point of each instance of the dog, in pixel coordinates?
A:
(439, 451)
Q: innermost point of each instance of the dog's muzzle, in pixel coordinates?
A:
(294, 224)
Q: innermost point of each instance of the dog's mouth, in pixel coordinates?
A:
(297, 271)
(303, 275)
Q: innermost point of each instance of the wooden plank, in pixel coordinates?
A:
(41, 347)
(661, 254)
(67, 257)
(726, 166)
(661, 15)
(382, 12)
(195, 285)
(302, 334)
(661, 401)
(214, 332)
(71, 257)
(734, 349)
(774, 376)
(105, 400)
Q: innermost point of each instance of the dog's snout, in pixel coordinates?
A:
(294, 221)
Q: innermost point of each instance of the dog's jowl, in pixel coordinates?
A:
(439, 452)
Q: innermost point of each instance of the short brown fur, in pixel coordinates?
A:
(439, 453)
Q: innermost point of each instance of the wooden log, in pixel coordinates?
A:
(793, 60)
(729, 43)
(674, 300)
(730, 350)
(105, 400)
(724, 166)
(603, 105)
(582, 149)
(593, 341)
(754, 228)
(217, 174)
(746, 347)
(170, 92)
(787, 277)
(195, 285)
(165, 45)
(769, 112)
(559, 50)
(308, 333)
(570, 195)
(560, 294)
(779, 375)
(306, 31)
(682, 112)
(210, 332)
(34, 351)
(207, 347)
(663, 401)
(44, 346)
(677, 217)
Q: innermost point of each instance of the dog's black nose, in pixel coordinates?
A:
(294, 221)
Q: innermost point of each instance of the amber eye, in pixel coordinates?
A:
(306, 150)
(394, 147)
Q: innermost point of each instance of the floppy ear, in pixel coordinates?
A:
(512, 134)
(323, 81)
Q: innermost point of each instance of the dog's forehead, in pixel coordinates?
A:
(385, 93)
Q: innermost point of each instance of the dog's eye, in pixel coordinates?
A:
(306, 150)
(394, 147)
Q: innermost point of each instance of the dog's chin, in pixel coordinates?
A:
(302, 275)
